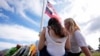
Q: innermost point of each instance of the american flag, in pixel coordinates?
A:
(50, 11)
(50, 6)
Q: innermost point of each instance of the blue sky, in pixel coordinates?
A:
(18, 25)
(20, 20)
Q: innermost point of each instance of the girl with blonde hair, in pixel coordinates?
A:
(78, 42)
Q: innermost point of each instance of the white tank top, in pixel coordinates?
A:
(54, 48)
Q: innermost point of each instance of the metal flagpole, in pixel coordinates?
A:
(42, 17)
(41, 23)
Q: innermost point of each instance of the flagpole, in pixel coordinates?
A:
(42, 17)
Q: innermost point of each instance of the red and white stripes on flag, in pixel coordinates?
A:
(50, 11)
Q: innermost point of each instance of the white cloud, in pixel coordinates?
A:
(18, 33)
(83, 11)
(6, 45)
(5, 5)
(20, 6)
(93, 7)
(33, 6)
(93, 39)
(28, 19)
(53, 2)
(4, 16)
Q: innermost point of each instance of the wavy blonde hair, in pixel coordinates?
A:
(72, 25)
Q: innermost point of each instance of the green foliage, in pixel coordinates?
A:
(93, 54)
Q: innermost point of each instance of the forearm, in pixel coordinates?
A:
(86, 51)
(68, 44)
(40, 45)
(41, 40)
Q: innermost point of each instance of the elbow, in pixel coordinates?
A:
(39, 48)
(68, 47)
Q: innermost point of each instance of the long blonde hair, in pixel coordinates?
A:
(73, 26)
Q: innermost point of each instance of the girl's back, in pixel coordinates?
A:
(55, 44)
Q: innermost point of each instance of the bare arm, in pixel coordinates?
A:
(68, 44)
(42, 39)
(86, 51)
(82, 43)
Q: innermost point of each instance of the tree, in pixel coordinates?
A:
(99, 44)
